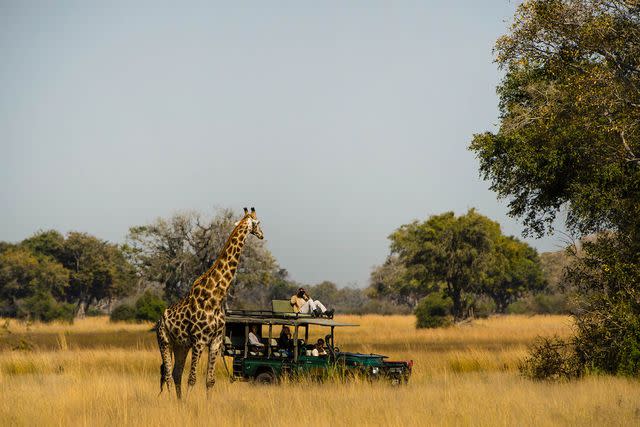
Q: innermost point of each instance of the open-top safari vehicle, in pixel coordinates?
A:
(269, 363)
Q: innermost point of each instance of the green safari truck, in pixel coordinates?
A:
(270, 362)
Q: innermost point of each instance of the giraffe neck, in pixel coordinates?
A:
(221, 273)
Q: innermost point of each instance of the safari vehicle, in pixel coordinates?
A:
(269, 364)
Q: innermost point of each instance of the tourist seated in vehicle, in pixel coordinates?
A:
(319, 349)
(285, 342)
(253, 338)
(302, 303)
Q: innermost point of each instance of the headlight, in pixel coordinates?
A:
(375, 370)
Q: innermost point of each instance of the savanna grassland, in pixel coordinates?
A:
(99, 373)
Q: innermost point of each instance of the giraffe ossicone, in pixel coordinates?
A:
(196, 322)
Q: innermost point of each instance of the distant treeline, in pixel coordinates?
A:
(50, 276)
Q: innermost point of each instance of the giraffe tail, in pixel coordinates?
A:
(162, 380)
(163, 369)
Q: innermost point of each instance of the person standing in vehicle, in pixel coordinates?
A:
(302, 303)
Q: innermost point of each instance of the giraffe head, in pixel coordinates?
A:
(253, 223)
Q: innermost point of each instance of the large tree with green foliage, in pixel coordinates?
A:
(463, 256)
(447, 249)
(569, 138)
(569, 131)
(99, 270)
(31, 285)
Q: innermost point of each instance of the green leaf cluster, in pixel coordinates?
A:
(148, 308)
(569, 133)
(433, 311)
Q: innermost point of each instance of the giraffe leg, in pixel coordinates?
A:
(165, 352)
(214, 349)
(179, 357)
(196, 352)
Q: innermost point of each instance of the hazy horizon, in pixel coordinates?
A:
(338, 123)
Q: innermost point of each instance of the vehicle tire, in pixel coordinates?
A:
(265, 378)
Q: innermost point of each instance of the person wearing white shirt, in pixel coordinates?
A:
(319, 350)
(302, 303)
(253, 338)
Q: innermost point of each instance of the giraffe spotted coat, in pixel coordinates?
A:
(196, 322)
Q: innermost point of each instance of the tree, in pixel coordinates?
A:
(25, 278)
(554, 265)
(570, 115)
(464, 257)
(569, 138)
(281, 287)
(5, 246)
(177, 250)
(390, 281)
(99, 270)
(449, 250)
(49, 243)
(515, 269)
(343, 300)
(45, 271)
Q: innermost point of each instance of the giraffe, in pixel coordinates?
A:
(196, 322)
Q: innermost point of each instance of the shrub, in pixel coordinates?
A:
(630, 363)
(610, 342)
(551, 304)
(123, 313)
(519, 307)
(433, 311)
(94, 311)
(42, 306)
(149, 307)
(606, 278)
(551, 359)
(483, 307)
(542, 303)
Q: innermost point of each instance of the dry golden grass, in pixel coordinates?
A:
(464, 375)
(88, 324)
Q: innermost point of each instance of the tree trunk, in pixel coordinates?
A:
(502, 302)
(501, 306)
(81, 309)
(457, 303)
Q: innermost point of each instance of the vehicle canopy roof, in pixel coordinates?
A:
(275, 319)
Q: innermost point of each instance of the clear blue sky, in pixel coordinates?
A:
(338, 123)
